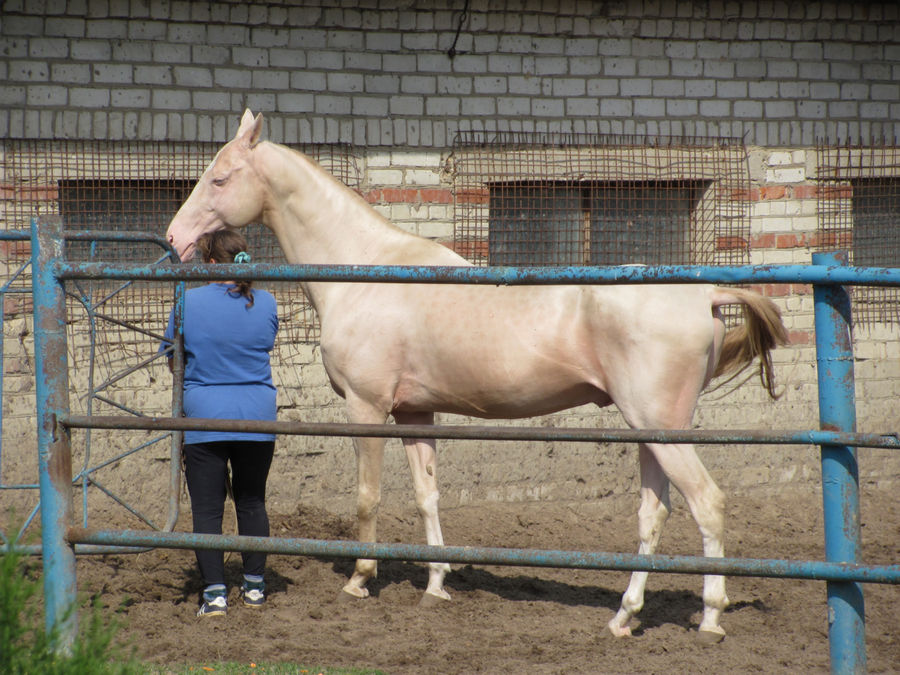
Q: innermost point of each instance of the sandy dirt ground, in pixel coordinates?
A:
(513, 620)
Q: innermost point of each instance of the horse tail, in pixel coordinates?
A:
(761, 331)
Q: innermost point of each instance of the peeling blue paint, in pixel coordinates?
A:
(54, 452)
(499, 276)
(495, 556)
(840, 472)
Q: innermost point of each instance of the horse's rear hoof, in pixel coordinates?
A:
(616, 631)
(430, 601)
(345, 598)
(708, 637)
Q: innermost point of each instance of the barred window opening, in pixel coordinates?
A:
(858, 201)
(586, 199)
(591, 222)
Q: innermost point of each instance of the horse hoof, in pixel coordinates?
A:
(430, 601)
(616, 631)
(346, 597)
(708, 637)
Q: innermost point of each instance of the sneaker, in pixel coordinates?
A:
(253, 593)
(214, 604)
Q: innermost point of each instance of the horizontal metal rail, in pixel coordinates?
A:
(482, 432)
(128, 237)
(498, 276)
(823, 571)
(80, 549)
(15, 235)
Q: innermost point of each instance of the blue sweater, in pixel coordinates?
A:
(227, 374)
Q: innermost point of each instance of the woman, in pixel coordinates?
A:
(229, 330)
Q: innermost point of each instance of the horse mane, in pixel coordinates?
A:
(422, 249)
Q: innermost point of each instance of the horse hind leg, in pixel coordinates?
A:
(679, 465)
(707, 504)
(708, 509)
(652, 515)
(423, 466)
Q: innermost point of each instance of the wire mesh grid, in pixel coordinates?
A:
(133, 187)
(858, 200)
(594, 199)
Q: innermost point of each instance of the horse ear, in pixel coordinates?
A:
(250, 128)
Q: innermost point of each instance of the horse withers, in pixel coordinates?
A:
(412, 350)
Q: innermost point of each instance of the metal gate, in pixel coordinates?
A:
(837, 437)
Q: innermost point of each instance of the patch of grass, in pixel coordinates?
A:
(25, 646)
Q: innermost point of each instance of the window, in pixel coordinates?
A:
(858, 202)
(592, 222)
(138, 186)
(590, 199)
(122, 205)
(876, 221)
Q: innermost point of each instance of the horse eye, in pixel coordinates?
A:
(220, 181)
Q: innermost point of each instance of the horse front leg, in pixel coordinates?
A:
(369, 461)
(420, 452)
(652, 515)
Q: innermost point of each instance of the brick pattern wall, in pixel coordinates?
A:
(776, 73)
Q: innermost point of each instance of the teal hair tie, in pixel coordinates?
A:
(242, 257)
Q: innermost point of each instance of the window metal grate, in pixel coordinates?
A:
(137, 186)
(550, 199)
(591, 222)
(858, 199)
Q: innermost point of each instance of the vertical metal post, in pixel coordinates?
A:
(54, 450)
(177, 405)
(840, 473)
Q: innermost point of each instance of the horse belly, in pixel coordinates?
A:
(489, 393)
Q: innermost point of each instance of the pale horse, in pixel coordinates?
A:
(412, 350)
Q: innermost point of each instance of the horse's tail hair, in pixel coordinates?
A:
(761, 331)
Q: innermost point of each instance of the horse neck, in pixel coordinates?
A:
(316, 218)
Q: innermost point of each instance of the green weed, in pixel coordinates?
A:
(26, 648)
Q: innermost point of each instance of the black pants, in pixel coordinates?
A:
(205, 468)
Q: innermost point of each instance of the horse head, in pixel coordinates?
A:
(228, 194)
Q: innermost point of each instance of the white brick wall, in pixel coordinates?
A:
(776, 75)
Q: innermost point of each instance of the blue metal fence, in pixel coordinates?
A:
(85, 475)
(842, 568)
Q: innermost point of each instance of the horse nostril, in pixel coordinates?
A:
(171, 238)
